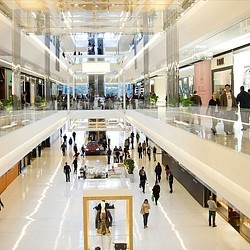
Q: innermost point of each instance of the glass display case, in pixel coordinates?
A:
(222, 208)
(245, 227)
(107, 214)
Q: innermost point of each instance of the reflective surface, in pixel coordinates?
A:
(42, 211)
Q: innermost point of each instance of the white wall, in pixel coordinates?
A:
(160, 87)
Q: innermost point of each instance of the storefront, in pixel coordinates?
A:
(222, 73)
(186, 81)
(241, 69)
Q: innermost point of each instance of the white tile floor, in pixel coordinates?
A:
(43, 212)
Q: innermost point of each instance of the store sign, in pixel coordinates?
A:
(220, 61)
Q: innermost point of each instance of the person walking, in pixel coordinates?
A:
(137, 137)
(158, 171)
(74, 136)
(145, 212)
(82, 150)
(170, 181)
(139, 149)
(212, 211)
(149, 153)
(1, 204)
(196, 104)
(243, 99)
(156, 192)
(132, 136)
(143, 179)
(144, 146)
(75, 165)
(167, 170)
(63, 148)
(109, 152)
(154, 153)
(228, 102)
(70, 141)
(67, 171)
(213, 109)
(65, 139)
(75, 148)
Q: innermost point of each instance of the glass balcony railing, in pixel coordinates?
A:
(197, 121)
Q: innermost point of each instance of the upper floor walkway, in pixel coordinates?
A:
(219, 161)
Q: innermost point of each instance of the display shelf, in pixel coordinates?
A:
(222, 209)
(245, 227)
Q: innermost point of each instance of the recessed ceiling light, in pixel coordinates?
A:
(96, 6)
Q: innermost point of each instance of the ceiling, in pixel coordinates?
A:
(74, 21)
(61, 17)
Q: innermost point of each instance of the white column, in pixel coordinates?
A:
(68, 100)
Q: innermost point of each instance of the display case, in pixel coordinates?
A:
(245, 227)
(222, 208)
(99, 228)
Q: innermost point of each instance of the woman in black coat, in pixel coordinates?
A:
(156, 192)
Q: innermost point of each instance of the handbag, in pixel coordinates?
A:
(142, 210)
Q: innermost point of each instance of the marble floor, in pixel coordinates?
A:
(43, 212)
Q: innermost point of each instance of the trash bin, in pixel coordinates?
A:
(120, 246)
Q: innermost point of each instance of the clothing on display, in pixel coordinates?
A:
(103, 220)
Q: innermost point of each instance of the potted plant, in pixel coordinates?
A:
(129, 165)
(153, 100)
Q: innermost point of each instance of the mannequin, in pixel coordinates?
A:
(103, 219)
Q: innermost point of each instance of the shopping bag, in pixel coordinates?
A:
(152, 198)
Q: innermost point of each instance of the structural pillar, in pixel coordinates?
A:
(146, 63)
(172, 57)
(16, 59)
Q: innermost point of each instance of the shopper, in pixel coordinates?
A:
(213, 109)
(132, 136)
(139, 149)
(143, 179)
(145, 212)
(212, 210)
(243, 99)
(228, 102)
(1, 204)
(196, 104)
(158, 171)
(65, 139)
(144, 146)
(170, 181)
(167, 170)
(75, 148)
(74, 136)
(63, 148)
(75, 165)
(70, 141)
(154, 153)
(149, 153)
(67, 171)
(82, 150)
(156, 192)
(109, 152)
(137, 137)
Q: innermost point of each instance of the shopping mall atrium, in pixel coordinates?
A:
(120, 73)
